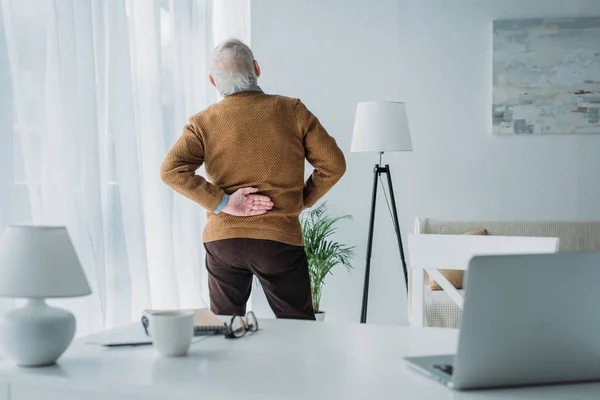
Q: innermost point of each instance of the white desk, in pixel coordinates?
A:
(284, 360)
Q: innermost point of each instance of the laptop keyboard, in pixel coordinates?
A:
(445, 368)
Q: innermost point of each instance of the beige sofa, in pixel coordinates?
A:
(441, 311)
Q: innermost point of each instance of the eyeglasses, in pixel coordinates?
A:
(239, 326)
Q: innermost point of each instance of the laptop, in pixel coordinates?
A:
(527, 320)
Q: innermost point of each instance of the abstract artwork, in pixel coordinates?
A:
(546, 77)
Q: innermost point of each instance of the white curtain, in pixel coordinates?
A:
(92, 95)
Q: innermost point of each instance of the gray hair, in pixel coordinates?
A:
(232, 67)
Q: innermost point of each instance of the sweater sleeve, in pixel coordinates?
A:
(323, 153)
(179, 171)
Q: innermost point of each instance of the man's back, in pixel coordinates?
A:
(254, 146)
(252, 139)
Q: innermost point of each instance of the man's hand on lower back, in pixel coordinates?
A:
(244, 203)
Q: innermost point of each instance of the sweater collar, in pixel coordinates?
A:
(253, 88)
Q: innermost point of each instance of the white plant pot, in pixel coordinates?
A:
(320, 316)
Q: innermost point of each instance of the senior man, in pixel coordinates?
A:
(253, 146)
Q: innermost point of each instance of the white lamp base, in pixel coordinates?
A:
(37, 334)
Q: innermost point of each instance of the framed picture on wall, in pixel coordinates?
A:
(546, 77)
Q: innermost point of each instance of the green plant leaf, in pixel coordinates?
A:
(323, 254)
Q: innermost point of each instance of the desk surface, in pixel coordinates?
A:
(284, 360)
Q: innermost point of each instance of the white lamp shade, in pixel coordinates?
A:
(40, 262)
(381, 127)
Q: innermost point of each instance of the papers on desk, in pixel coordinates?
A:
(206, 323)
(128, 335)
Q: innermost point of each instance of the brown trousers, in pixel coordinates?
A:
(282, 270)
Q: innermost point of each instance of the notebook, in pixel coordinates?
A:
(206, 323)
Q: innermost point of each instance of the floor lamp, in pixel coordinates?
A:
(380, 127)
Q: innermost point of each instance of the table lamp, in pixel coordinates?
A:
(380, 127)
(38, 262)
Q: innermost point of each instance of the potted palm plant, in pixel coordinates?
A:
(322, 252)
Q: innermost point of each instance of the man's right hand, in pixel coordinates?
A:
(243, 203)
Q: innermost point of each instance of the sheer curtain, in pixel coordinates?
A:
(93, 94)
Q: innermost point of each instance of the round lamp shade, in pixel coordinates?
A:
(40, 262)
(381, 127)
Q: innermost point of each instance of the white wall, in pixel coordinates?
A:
(435, 55)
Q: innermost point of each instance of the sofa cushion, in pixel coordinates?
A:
(455, 276)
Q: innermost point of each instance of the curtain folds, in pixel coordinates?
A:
(92, 95)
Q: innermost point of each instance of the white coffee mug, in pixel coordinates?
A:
(171, 332)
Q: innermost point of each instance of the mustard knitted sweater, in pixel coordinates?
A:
(252, 139)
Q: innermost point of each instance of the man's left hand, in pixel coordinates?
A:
(244, 203)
